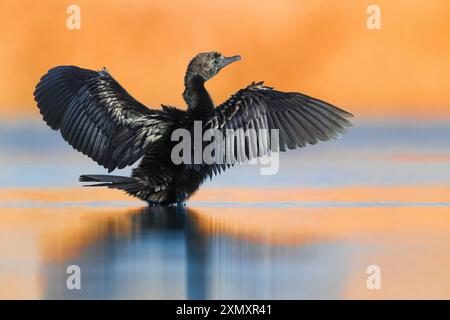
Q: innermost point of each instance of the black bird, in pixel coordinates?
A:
(96, 116)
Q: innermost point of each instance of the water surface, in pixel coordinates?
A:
(380, 196)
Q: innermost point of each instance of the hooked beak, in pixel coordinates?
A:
(227, 60)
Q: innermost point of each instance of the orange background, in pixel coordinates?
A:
(321, 48)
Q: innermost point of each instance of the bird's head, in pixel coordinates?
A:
(208, 64)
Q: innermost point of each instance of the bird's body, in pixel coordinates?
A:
(99, 118)
(177, 182)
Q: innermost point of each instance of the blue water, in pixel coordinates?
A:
(167, 254)
(32, 155)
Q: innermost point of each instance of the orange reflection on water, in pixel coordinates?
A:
(424, 193)
(413, 193)
(33, 237)
(300, 225)
(410, 243)
(80, 194)
(420, 158)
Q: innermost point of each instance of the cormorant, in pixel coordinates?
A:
(96, 116)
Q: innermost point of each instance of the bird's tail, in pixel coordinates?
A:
(128, 184)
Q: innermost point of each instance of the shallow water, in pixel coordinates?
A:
(379, 196)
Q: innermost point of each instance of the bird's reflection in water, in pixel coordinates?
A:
(179, 253)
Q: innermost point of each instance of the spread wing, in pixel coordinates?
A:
(300, 119)
(96, 116)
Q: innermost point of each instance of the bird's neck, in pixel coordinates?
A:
(195, 94)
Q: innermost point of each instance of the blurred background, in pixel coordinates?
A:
(380, 195)
(321, 47)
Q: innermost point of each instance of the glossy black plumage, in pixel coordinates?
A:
(97, 117)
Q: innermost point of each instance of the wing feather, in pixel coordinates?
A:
(299, 119)
(96, 116)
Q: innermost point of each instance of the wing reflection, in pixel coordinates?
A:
(220, 253)
(168, 253)
(159, 254)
